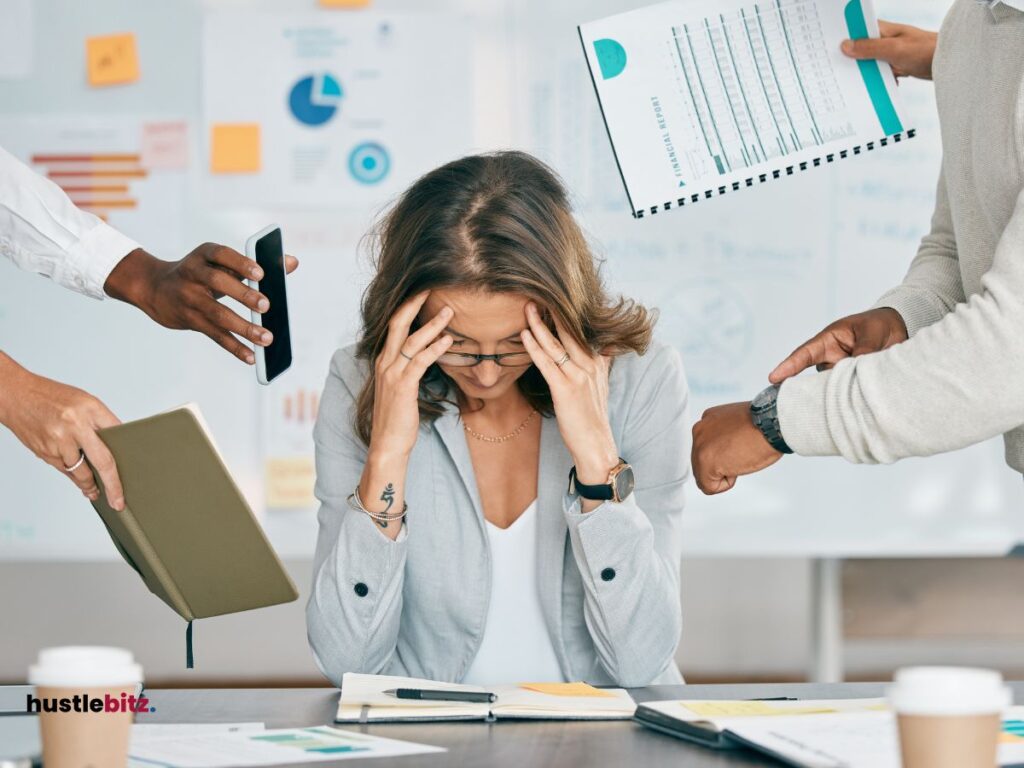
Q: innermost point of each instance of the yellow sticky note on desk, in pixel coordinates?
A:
(748, 709)
(235, 148)
(111, 59)
(568, 689)
(344, 3)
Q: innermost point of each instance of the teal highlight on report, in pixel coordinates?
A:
(869, 70)
(611, 57)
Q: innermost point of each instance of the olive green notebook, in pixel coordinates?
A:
(186, 528)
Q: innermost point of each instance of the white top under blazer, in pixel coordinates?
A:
(516, 645)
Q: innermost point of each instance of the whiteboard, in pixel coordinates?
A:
(739, 281)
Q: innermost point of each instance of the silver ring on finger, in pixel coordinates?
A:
(402, 353)
(563, 361)
(77, 464)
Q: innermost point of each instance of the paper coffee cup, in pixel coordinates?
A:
(84, 696)
(949, 717)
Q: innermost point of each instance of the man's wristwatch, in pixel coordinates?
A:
(765, 414)
(619, 486)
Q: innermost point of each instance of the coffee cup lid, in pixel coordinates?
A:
(69, 653)
(948, 691)
(71, 666)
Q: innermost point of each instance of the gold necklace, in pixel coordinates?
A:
(488, 439)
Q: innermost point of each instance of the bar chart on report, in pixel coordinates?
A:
(760, 85)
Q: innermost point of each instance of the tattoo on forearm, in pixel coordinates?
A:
(389, 497)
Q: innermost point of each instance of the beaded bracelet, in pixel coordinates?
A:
(381, 518)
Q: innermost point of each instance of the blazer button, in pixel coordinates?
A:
(362, 590)
(608, 574)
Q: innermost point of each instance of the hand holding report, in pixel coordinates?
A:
(702, 97)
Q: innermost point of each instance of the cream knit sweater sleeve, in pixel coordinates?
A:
(933, 285)
(958, 381)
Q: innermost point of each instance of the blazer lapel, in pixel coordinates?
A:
(552, 531)
(453, 436)
(552, 480)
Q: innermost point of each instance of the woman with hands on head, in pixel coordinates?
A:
(477, 450)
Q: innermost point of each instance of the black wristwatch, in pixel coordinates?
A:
(765, 414)
(619, 486)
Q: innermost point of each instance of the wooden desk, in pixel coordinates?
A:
(507, 744)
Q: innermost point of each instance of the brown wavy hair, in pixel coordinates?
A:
(502, 223)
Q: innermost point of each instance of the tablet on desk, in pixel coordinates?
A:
(14, 700)
(19, 741)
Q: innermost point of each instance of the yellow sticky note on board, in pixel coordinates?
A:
(344, 3)
(289, 482)
(568, 689)
(111, 59)
(748, 709)
(235, 148)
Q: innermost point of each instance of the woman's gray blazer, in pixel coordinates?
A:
(608, 579)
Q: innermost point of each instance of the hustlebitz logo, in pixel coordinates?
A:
(83, 702)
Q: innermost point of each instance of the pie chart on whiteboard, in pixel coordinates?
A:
(314, 99)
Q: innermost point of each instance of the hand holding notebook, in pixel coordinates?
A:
(186, 527)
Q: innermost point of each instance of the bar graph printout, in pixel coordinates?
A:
(701, 97)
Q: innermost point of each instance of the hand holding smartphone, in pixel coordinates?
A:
(266, 248)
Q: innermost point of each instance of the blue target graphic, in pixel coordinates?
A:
(369, 163)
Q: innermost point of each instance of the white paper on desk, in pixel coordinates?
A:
(271, 747)
(857, 740)
(147, 733)
(143, 732)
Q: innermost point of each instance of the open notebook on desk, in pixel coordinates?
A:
(710, 722)
(840, 733)
(363, 700)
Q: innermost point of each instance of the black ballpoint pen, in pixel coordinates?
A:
(472, 697)
(776, 698)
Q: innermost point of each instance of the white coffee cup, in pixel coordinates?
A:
(949, 717)
(71, 678)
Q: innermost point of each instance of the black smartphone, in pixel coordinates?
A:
(266, 248)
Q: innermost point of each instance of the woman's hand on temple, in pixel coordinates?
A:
(579, 392)
(399, 367)
(396, 412)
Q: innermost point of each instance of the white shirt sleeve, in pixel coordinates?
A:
(42, 230)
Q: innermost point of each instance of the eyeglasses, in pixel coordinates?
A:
(468, 359)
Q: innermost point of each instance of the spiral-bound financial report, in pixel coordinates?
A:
(704, 97)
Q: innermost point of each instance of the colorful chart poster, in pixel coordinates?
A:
(352, 108)
(111, 167)
(323, 302)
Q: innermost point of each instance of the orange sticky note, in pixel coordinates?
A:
(568, 689)
(235, 148)
(344, 3)
(111, 60)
